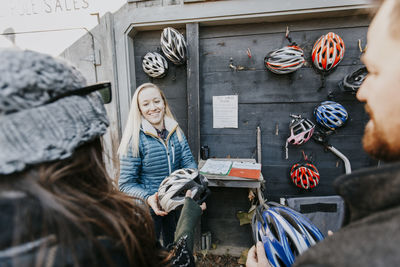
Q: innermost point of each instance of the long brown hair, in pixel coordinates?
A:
(77, 200)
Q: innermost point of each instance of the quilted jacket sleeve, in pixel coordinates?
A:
(129, 180)
(187, 160)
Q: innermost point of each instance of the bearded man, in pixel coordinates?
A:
(371, 232)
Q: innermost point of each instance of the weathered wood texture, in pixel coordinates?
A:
(220, 217)
(173, 85)
(193, 87)
(267, 99)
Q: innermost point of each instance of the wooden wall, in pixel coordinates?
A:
(265, 100)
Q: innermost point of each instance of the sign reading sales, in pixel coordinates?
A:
(18, 8)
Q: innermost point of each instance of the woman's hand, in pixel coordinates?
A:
(256, 256)
(155, 205)
(203, 205)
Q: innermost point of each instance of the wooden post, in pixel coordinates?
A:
(193, 88)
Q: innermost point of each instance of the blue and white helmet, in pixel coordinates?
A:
(284, 233)
(331, 115)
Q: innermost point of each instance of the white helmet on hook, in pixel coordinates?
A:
(173, 45)
(155, 65)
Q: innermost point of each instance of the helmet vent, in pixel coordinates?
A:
(272, 226)
(292, 247)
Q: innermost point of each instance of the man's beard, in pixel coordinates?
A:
(374, 143)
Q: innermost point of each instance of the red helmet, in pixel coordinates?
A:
(304, 175)
(328, 51)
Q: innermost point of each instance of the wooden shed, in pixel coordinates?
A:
(220, 33)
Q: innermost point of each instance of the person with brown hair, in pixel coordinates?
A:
(371, 232)
(58, 206)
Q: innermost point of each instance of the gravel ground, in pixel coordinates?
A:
(209, 260)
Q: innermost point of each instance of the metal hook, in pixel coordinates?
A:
(304, 155)
(288, 37)
(248, 52)
(236, 68)
(362, 50)
(294, 116)
(231, 64)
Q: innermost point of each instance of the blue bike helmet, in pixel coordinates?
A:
(331, 115)
(284, 233)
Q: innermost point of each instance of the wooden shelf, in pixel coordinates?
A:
(231, 181)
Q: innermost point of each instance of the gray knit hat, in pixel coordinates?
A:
(33, 129)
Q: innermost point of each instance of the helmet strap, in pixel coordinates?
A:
(323, 81)
(287, 35)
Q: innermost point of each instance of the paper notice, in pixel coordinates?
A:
(225, 111)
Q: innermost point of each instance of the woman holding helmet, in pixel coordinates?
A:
(152, 147)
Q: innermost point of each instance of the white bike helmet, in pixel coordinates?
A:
(172, 190)
(173, 45)
(155, 65)
(285, 60)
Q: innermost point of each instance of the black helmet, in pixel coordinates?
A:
(351, 83)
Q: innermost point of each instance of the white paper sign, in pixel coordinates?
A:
(225, 111)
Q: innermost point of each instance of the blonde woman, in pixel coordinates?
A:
(152, 147)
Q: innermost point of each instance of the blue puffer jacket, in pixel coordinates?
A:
(141, 176)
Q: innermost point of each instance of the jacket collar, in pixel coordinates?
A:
(370, 190)
(169, 123)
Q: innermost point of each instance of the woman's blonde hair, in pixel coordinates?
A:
(132, 128)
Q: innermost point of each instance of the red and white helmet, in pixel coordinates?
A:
(304, 174)
(301, 130)
(285, 60)
(328, 51)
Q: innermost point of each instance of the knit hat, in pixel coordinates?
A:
(36, 125)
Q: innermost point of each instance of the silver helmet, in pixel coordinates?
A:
(155, 65)
(172, 190)
(173, 46)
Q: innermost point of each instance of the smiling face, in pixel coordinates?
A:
(381, 89)
(152, 106)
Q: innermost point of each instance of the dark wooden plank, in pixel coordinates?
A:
(276, 168)
(265, 87)
(193, 87)
(149, 41)
(273, 118)
(215, 53)
(278, 184)
(273, 149)
(221, 220)
(173, 85)
(294, 26)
